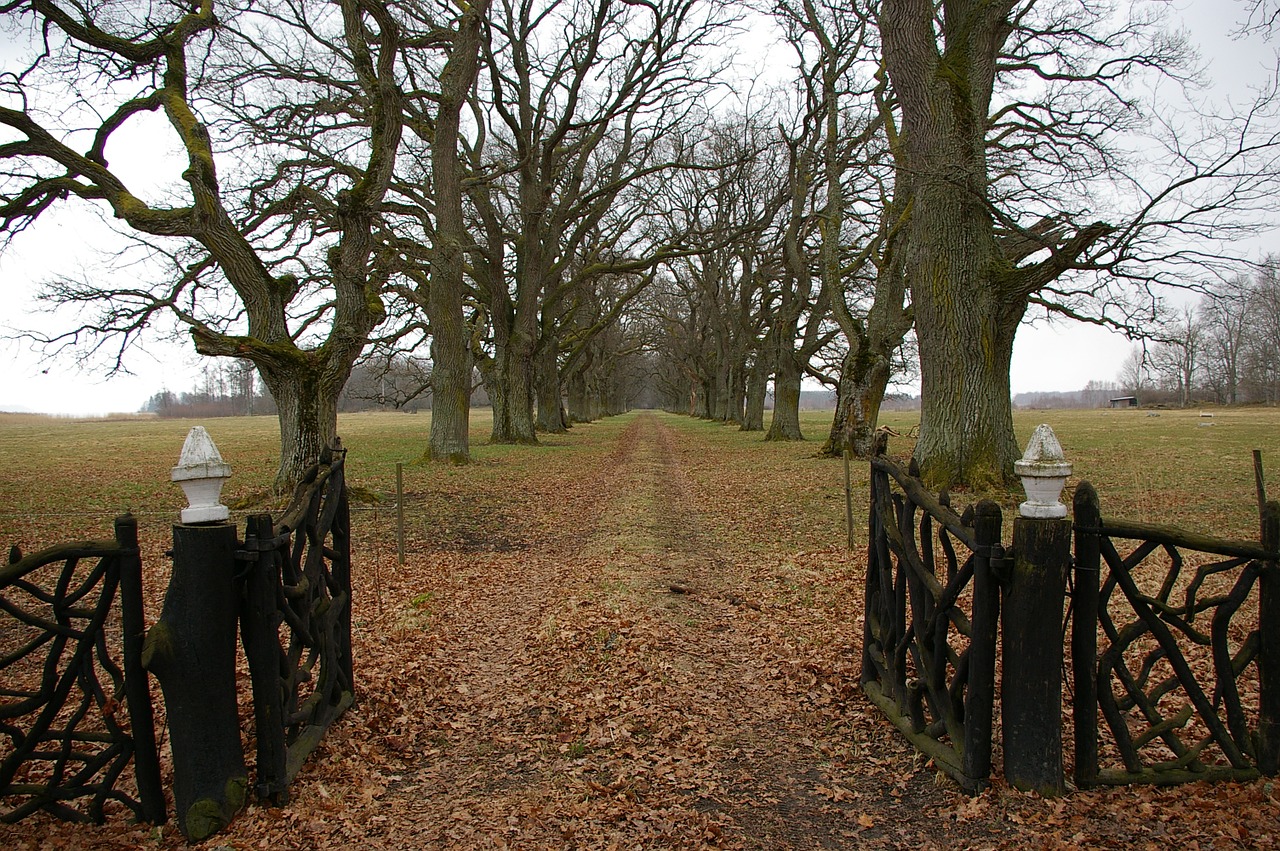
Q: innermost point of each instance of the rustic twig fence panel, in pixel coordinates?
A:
(929, 641)
(1187, 677)
(297, 574)
(74, 665)
(75, 707)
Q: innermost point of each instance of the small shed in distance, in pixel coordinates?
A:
(1125, 402)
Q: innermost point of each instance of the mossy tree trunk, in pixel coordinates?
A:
(968, 291)
(450, 344)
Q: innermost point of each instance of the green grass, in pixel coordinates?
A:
(67, 478)
(1166, 466)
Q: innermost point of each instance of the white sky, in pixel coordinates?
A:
(1057, 357)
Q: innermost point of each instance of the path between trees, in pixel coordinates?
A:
(623, 675)
(614, 686)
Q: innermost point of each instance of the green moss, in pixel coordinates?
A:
(157, 645)
(208, 816)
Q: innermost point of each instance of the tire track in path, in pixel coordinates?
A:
(667, 598)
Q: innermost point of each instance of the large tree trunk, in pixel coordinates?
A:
(450, 401)
(965, 333)
(450, 353)
(964, 321)
(495, 388)
(618, 402)
(551, 419)
(786, 388)
(306, 397)
(512, 395)
(757, 390)
(868, 364)
(700, 396)
(734, 393)
(863, 379)
(786, 394)
(724, 392)
(578, 395)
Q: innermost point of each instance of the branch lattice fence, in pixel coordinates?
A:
(75, 705)
(1175, 650)
(929, 642)
(296, 622)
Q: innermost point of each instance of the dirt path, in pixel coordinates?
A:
(625, 683)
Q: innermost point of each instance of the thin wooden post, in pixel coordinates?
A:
(1259, 483)
(341, 572)
(146, 760)
(848, 498)
(1032, 654)
(979, 698)
(400, 510)
(1269, 656)
(871, 589)
(259, 630)
(1084, 634)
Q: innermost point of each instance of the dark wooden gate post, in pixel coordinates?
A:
(191, 650)
(1032, 653)
(146, 760)
(1269, 656)
(979, 699)
(259, 629)
(1084, 634)
(1031, 614)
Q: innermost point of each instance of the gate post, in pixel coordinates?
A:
(259, 630)
(1084, 634)
(979, 698)
(1031, 615)
(1269, 656)
(191, 650)
(146, 760)
(1031, 687)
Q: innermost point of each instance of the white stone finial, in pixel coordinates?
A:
(201, 472)
(1043, 471)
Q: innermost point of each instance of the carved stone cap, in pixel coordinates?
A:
(200, 459)
(1043, 458)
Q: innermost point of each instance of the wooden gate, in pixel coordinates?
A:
(1186, 678)
(929, 637)
(296, 622)
(75, 706)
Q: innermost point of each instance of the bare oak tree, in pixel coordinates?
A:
(577, 104)
(1014, 119)
(306, 107)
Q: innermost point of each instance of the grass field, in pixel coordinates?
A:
(67, 478)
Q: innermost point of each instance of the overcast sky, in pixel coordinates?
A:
(1061, 356)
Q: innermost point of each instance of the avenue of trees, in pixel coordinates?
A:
(585, 205)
